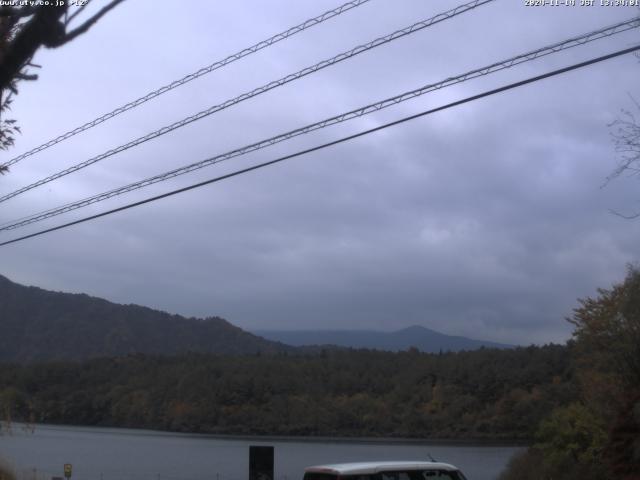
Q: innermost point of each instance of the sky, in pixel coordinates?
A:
(488, 220)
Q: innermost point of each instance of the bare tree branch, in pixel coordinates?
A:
(23, 30)
(625, 132)
(622, 215)
(90, 22)
(75, 14)
(26, 76)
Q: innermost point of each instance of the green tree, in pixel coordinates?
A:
(572, 435)
(599, 437)
(607, 343)
(607, 348)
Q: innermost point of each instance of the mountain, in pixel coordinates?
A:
(424, 339)
(37, 324)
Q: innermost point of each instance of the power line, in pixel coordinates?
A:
(504, 64)
(192, 76)
(332, 143)
(255, 92)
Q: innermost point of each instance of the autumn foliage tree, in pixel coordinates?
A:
(607, 334)
(6, 472)
(598, 436)
(607, 351)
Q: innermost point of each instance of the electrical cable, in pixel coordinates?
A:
(192, 76)
(255, 92)
(334, 142)
(497, 66)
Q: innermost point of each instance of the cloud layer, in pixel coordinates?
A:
(487, 220)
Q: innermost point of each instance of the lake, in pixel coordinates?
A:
(122, 454)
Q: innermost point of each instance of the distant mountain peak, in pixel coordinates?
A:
(414, 329)
(418, 336)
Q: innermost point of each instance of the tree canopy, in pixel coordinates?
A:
(598, 435)
(481, 394)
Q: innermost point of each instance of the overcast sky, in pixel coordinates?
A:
(487, 220)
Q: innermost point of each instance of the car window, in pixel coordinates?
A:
(395, 476)
(423, 475)
(439, 474)
(320, 476)
(358, 477)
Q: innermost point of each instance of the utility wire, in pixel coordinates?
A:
(504, 64)
(192, 76)
(255, 92)
(335, 142)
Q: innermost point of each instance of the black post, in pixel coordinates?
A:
(260, 463)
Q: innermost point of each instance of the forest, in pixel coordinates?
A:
(488, 393)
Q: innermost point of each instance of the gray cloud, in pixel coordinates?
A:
(487, 220)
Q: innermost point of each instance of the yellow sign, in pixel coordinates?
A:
(67, 470)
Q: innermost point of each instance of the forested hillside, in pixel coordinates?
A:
(37, 324)
(497, 394)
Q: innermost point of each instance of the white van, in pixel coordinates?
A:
(384, 471)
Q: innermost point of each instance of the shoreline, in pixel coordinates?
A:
(286, 438)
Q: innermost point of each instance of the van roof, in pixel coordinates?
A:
(375, 467)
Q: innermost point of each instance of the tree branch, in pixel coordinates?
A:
(17, 12)
(622, 215)
(43, 29)
(89, 23)
(75, 14)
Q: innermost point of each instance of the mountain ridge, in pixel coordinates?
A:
(43, 325)
(40, 325)
(417, 336)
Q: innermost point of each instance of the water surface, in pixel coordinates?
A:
(122, 454)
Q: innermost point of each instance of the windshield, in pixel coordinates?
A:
(423, 475)
(320, 476)
(395, 475)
